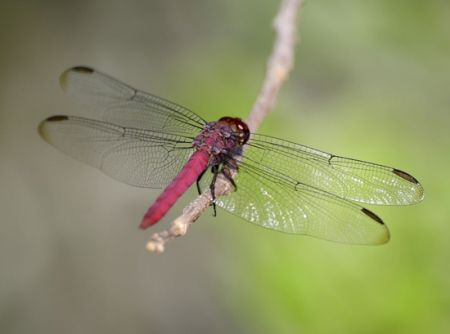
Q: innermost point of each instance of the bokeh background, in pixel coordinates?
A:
(372, 81)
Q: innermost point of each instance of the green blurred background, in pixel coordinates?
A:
(372, 81)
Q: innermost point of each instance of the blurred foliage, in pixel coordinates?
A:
(371, 81)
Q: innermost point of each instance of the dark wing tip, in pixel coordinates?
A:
(405, 176)
(57, 118)
(82, 69)
(42, 130)
(382, 235)
(63, 79)
(372, 215)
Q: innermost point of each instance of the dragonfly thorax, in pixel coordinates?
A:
(222, 139)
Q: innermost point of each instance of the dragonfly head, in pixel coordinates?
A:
(238, 127)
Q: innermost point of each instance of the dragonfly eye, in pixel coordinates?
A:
(239, 127)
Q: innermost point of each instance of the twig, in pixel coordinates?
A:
(278, 67)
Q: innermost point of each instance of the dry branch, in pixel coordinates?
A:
(278, 67)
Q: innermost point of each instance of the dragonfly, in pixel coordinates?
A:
(147, 141)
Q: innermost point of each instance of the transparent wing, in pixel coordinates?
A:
(347, 178)
(113, 101)
(143, 158)
(268, 199)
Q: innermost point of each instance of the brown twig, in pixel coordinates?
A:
(278, 67)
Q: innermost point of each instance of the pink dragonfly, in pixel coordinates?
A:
(146, 141)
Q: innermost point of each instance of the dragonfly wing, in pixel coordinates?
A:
(141, 158)
(347, 178)
(116, 102)
(272, 202)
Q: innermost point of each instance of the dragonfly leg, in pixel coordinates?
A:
(226, 171)
(198, 181)
(215, 171)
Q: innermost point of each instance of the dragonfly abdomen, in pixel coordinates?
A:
(187, 176)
